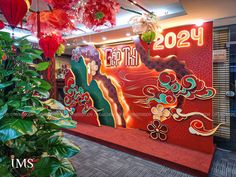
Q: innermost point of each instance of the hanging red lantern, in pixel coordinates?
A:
(2, 25)
(49, 44)
(14, 10)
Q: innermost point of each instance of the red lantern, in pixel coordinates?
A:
(14, 10)
(2, 25)
(49, 44)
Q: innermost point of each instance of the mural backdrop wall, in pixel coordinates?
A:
(168, 94)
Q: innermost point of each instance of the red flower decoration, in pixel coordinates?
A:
(97, 13)
(158, 130)
(56, 21)
(2, 25)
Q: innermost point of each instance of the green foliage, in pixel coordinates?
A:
(30, 122)
(42, 66)
(58, 168)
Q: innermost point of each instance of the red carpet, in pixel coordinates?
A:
(137, 142)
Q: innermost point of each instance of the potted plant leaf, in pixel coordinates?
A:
(30, 122)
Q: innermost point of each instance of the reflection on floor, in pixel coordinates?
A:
(96, 160)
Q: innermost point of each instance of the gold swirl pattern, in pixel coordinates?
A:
(197, 128)
(179, 116)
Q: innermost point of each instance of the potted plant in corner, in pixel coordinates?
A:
(31, 142)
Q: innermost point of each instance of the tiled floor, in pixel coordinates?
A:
(96, 160)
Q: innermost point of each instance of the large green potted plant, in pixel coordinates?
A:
(30, 122)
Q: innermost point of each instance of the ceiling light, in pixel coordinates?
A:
(68, 44)
(128, 34)
(104, 38)
(84, 41)
(199, 22)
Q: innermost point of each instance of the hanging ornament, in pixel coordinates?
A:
(145, 22)
(49, 44)
(57, 21)
(148, 37)
(147, 26)
(70, 7)
(2, 25)
(60, 50)
(96, 14)
(14, 10)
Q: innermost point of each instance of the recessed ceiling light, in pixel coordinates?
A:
(104, 38)
(128, 34)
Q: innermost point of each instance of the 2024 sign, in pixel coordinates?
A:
(181, 40)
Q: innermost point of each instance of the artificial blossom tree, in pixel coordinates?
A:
(30, 121)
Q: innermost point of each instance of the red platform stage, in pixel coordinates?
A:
(135, 142)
